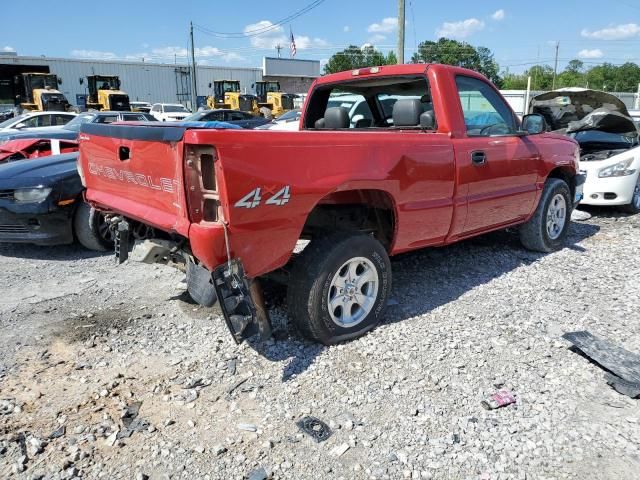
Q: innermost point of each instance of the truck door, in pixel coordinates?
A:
(498, 167)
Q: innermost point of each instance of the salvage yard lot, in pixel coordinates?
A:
(82, 339)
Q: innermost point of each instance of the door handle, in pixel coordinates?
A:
(478, 157)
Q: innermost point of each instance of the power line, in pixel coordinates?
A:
(261, 30)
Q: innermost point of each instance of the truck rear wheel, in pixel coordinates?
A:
(547, 229)
(91, 229)
(339, 287)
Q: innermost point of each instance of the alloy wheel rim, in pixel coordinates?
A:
(353, 292)
(556, 216)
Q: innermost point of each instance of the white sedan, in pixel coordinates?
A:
(29, 121)
(613, 175)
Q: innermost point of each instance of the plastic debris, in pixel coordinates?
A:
(315, 428)
(499, 399)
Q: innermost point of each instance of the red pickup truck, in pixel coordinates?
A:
(389, 159)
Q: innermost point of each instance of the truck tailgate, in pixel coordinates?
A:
(136, 170)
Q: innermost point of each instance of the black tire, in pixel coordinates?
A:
(534, 234)
(311, 283)
(91, 230)
(633, 208)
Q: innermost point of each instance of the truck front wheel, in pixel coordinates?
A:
(339, 287)
(547, 229)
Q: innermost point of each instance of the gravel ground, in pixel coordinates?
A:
(87, 345)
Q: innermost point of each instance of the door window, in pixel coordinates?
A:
(485, 112)
(32, 122)
(60, 119)
(44, 120)
(107, 119)
(234, 116)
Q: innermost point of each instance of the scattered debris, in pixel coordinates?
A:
(258, 474)
(247, 427)
(622, 366)
(499, 399)
(340, 450)
(59, 432)
(315, 428)
(233, 387)
(7, 407)
(580, 215)
(130, 413)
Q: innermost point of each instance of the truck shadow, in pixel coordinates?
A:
(55, 253)
(422, 281)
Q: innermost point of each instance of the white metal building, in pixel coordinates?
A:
(144, 81)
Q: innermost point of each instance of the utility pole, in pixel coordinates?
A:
(400, 32)
(555, 68)
(278, 48)
(194, 91)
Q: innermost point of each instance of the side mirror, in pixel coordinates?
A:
(209, 85)
(60, 81)
(81, 80)
(20, 125)
(253, 85)
(534, 124)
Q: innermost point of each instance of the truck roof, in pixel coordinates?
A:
(405, 69)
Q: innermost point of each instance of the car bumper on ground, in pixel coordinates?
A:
(608, 191)
(43, 229)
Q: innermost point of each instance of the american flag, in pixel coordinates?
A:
(294, 50)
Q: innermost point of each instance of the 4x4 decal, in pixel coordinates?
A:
(254, 198)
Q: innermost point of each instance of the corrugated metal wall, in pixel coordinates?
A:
(150, 82)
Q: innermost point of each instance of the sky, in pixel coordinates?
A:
(519, 33)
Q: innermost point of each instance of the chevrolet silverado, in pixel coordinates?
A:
(432, 155)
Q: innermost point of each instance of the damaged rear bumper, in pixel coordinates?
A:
(239, 298)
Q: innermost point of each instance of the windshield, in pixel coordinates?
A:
(290, 116)
(74, 125)
(195, 117)
(175, 108)
(273, 87)
(107, 83)
(231, 87)
(42, 81)
(11, 121)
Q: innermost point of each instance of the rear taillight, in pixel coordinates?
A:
(202, 189)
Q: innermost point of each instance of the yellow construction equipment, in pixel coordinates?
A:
(270, 96)
(105, 94)
(227, 94)
(39, 92)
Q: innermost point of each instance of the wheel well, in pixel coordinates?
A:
(567, 175)
(369, 211)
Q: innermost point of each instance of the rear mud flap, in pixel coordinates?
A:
(232, 289)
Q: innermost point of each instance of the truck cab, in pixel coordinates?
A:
(39, 92)
(105, 94)
(270, 96)
(227, 94)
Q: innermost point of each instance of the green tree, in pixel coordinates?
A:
(452, 52)
(354, 57)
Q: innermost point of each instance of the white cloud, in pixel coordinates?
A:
(498, 15)
(274, 35)
(595, 53)
(94, 54)
(346, 28)
(613, 32)
(159, 54)
(377, 38)
(461, 29)
(8, 49)
(387, 25)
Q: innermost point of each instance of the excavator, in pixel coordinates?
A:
(105, 94)
(39, 92)
(226, 94)
(270, 96)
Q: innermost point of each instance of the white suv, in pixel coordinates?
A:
(169, 112)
